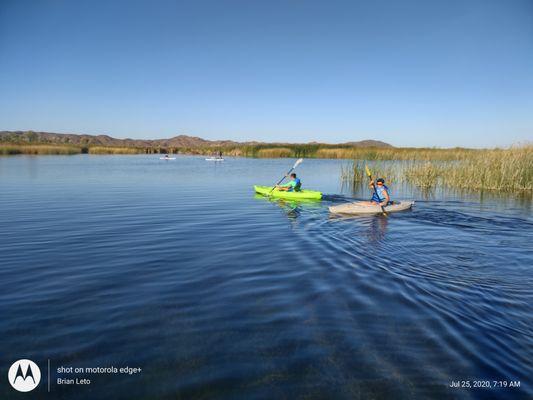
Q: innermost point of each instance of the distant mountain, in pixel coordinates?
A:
(181, 141)
(367, 143)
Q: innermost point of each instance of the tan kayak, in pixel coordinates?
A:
(361, 208)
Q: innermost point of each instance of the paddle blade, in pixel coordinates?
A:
(368, 171)
(298, 162)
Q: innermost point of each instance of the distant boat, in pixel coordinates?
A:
(167, 158)
(214, 159)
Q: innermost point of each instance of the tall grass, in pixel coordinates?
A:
(393, 153)
(277, 152)
(38, 149)
(272, 150)
(48, 149)
(499, 170)
(507, 170)
(115, 150)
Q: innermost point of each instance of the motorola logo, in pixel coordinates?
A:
(24, 375)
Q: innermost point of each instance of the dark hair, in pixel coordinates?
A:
(380, 180)
(293, 175)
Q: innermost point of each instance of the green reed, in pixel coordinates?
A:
(499, 170)
(38, 149)
(277, 152)
(115, 150)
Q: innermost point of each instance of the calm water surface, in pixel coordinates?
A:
(176, 267)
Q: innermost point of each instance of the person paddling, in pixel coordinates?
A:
(381, 195)
(293, 186)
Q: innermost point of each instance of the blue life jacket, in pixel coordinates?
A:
(380, 195)
(298, 185)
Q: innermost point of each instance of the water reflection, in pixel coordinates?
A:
(375, 226)
(292, 208)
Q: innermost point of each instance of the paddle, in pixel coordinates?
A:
(298, 162)
(374, 186)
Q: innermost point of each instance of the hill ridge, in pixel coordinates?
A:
(180, 140)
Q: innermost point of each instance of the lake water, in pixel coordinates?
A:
(177, 268)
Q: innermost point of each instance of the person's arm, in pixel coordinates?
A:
(288, 184)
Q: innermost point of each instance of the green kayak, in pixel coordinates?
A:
(302, 194)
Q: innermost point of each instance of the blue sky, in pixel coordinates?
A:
(411, 73)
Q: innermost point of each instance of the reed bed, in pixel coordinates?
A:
(509, 170)
(310, 150)
(277, 152)
(393, 153)
(38, 149)
(115, 150)
(506, 170)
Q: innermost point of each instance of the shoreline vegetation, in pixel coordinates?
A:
(246, 150)
(505, 170)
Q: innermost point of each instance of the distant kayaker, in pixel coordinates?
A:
(381, 194)
(293, 186)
